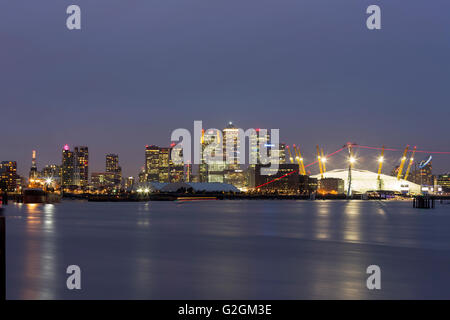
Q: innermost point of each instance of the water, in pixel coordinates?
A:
(228, 250)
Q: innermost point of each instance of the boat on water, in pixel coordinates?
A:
(37, 195)
(183, 199)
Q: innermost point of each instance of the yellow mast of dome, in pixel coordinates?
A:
(411, 160)
(402, 163)
(320, 162)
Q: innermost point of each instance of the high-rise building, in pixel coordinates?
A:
(51, 171)
(99, 180)
(422, 173)
(232, 174)
(224, 164)
(280, 153)
(214, 159)
(164, 160)
(152, 163)
(113, 169)
(33, 169)
(81, 166)
(157, 163)
(256, 140)
(176, 170)
(237, 178)
(231, 145)
(262, 138)
(112, 163)
(129, 183)
(425, 173)
(188, 172)
(68, 167)
(8, 176)
(203, 166)
(142, 176)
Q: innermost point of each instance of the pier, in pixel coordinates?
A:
(423, 202)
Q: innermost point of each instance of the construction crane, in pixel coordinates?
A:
(320, 162)
(299, 160)
(402, 163)
(324, 160)
(290, 155)
(411, 160)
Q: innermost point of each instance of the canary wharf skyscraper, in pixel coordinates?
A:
(231, 145)
(157, 163)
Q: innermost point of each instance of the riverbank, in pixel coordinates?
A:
(231, 196)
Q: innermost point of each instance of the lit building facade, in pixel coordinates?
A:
(232, 173)
(112, 163)
(443, 180)
(176, 171)
(307, 184)
(129, 183)
(51, 171)
(81, 171)
(142, 176)
(425, 174)
(8, 176)
(99, 180)
(256, 140)
(231, 145)
(67, 167)
(113, 170)
(285, 179)
(157, 164)
(216, 164)
(331, 186)
(33, 169)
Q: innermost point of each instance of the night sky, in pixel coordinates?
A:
(139, 69)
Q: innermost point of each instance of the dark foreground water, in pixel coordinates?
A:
(228, 250)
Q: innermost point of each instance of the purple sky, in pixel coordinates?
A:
(141, 68)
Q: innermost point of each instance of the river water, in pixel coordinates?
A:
(228, 250)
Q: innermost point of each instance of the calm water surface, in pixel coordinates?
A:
(228, 250)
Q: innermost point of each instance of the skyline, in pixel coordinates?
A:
(366, 158)
(137, 71)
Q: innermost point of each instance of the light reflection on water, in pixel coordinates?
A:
(227, 249)
(352, 226)
(40, 251)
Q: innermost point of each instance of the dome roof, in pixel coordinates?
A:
(364, 180)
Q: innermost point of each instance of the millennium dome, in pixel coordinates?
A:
(364, 180)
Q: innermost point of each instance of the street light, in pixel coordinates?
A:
(352, 160)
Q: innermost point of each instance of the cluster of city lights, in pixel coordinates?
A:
(47, 181)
